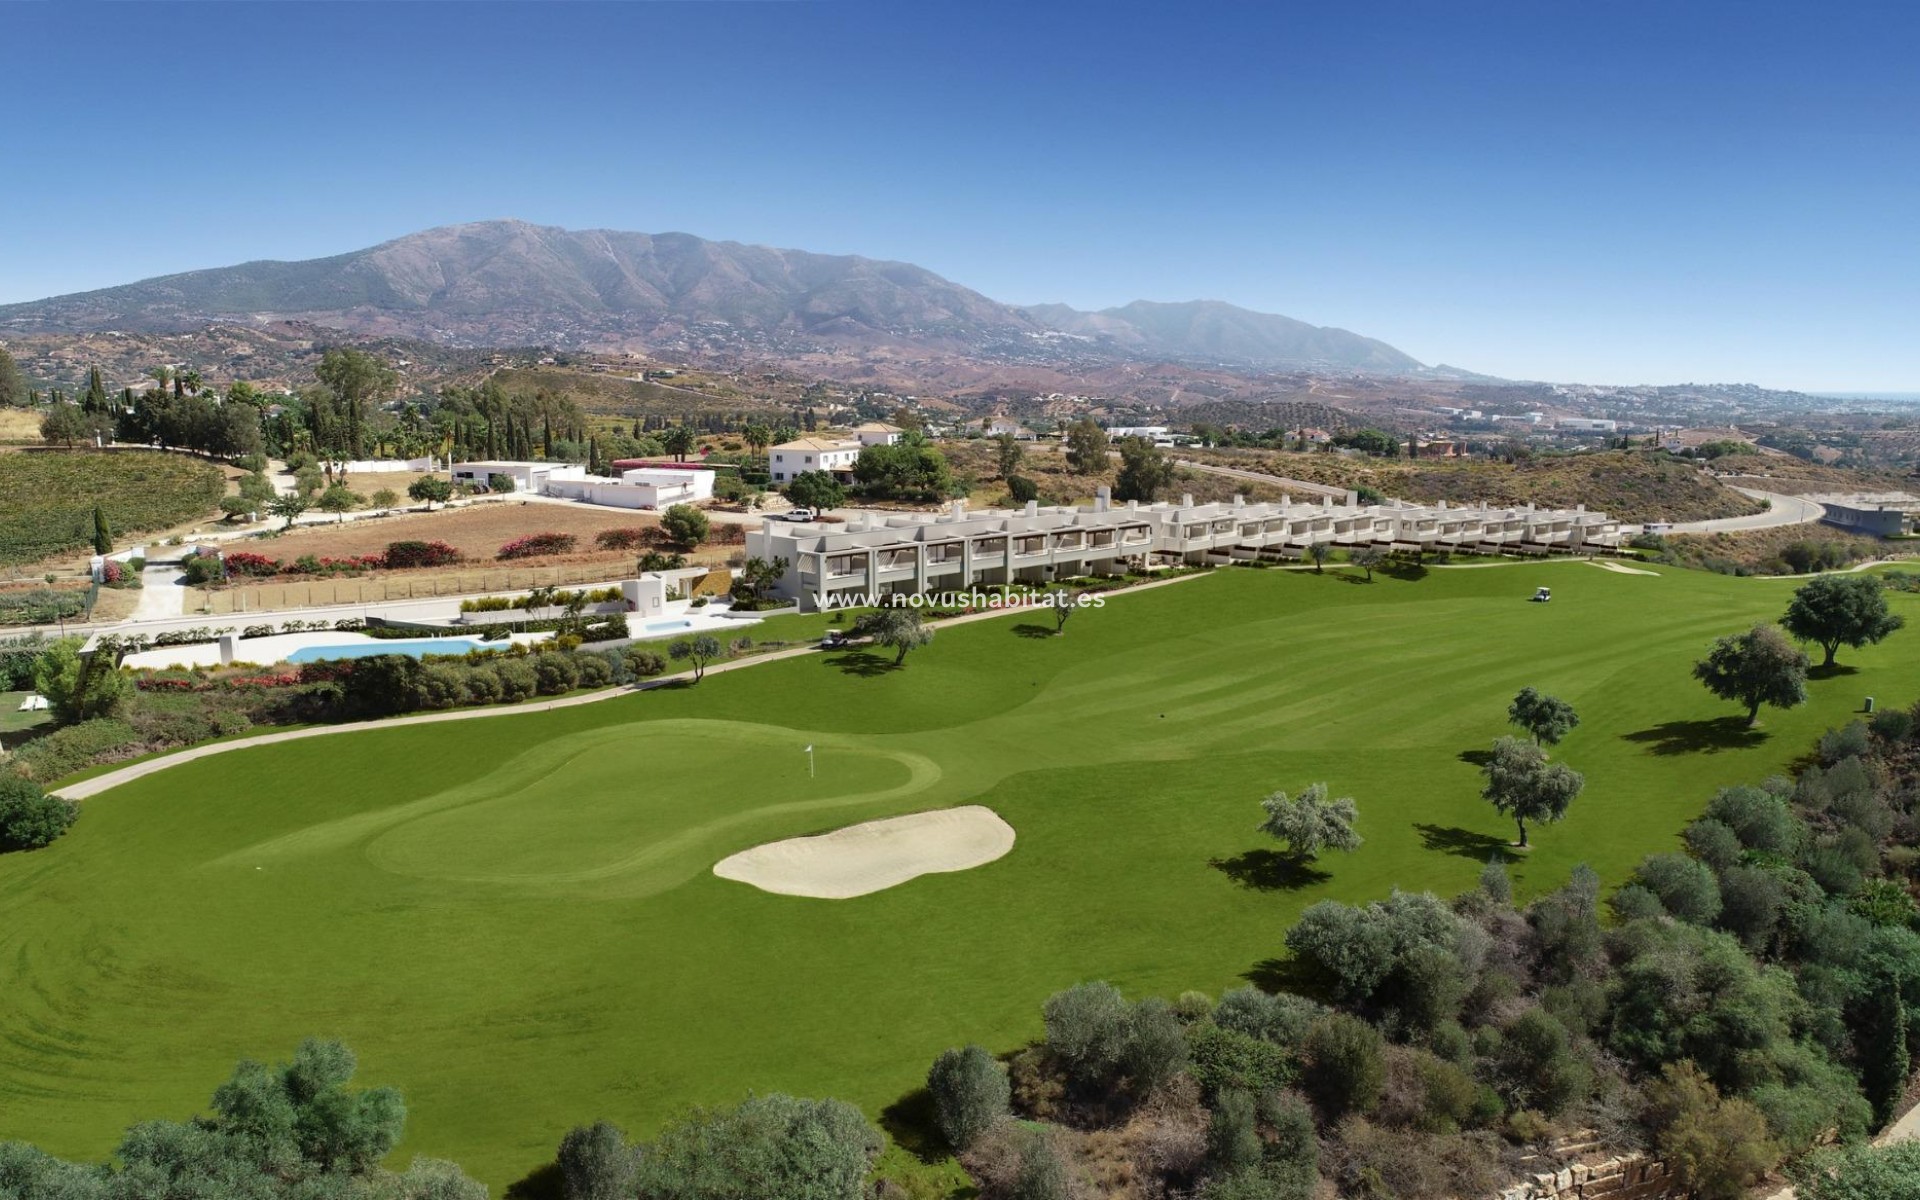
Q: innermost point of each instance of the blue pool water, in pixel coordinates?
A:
(666, 626)
(369, 649)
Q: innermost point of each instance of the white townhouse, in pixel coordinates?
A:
(911, 553)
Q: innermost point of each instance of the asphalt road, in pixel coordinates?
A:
(1786, 510)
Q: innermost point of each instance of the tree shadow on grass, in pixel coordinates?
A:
(1691, 737)
(1403, 569)
(542, 1183)
(1028, 629)
(1836, 671)
(1270, 870)
(863, 663)
(1451, 839)
(1477, 758)
(1350, 577)
(1287, 975)
(911, 1123)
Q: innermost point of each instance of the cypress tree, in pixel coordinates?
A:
(96, 401)
(1883, 1051)
(102, 535)
(546, 437)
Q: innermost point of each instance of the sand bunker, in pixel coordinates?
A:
(874, 855)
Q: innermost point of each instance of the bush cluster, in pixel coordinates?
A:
(533, 545)
(1752, 998)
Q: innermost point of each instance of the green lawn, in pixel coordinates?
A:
(514, 919)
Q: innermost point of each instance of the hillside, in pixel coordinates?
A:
(1215, 330)
(497, 283)
(1634, 487)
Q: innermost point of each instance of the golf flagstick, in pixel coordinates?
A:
(809, 760)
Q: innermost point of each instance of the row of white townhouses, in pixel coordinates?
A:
(955, 550)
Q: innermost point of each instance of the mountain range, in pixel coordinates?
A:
(498, 283)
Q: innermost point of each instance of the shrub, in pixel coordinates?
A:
(1282, 1020)
(685, 524)
(594, 671)
(626, 538)
(442, 685)
(203, 569)
(1226, 1059)
(1685, 888)
(518, 680)
(642, 662)
(1714, 843)
(1156, 1048)
(1233, 1137)
(769, 1146)
(554, 673)
(29, 818)
(1759, 817)
(596, 1163)
(970, 1092)
(1087, 1031)
(1718, 1148)
(1346, 1057)
(1893, 725)
(1860, 1173)
(534, 545)
(483, 686)
(245, 562)
(410, 554)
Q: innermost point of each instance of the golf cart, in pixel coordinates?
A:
(1542, 595)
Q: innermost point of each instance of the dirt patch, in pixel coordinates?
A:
(874, 855)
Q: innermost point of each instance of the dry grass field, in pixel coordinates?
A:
(19, 425)
(477, 530)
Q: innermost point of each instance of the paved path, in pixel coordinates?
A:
(1786, 510)
(162, 595)
(99, 783)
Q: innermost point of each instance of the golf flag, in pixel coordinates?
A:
(809, 748)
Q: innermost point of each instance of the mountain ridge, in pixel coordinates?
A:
(511, 282)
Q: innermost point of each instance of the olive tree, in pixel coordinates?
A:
(1524, 785)
(1840, 610)
(970, 1092)
(431, 490)
(1310, 822)
(700, 651)
(900, 629)
(1754, 668)
(1367, 558)
(1546, 718)
(596, 1163)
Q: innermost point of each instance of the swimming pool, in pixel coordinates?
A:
(665, 626)
(369, 649)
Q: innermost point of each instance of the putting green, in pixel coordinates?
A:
(515, 919)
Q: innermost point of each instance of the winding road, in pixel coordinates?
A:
(1784, 510)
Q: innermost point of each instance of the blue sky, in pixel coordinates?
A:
(1611, 192)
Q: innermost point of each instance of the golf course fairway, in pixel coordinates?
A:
(515, 920)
